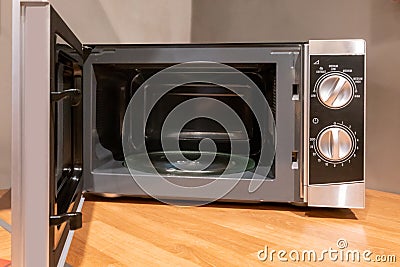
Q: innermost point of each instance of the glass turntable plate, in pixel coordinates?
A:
(192, 163)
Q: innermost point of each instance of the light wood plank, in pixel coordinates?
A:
(137, 232)
(5, 205)
(140, 232)
(5, 244)
(5, 215)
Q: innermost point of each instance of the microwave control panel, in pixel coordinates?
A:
(336, 126)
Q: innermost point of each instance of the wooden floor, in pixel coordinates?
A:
(5, 215)
(132, 232)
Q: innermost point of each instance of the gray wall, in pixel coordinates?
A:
(93, 21)
(127, 21)
(378, 22)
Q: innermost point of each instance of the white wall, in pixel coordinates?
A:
(5, 93)
(127, 21)
(376, 21)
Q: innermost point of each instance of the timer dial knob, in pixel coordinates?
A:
(335, 90)
(335, 143)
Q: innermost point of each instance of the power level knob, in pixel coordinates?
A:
(335, 90)
(335, 143)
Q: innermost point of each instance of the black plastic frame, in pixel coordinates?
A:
(69, 192)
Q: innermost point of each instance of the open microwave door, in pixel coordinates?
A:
(47, 129)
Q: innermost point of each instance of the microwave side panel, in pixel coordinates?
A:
(109, 179)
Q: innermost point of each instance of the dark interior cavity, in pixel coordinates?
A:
(117, 83)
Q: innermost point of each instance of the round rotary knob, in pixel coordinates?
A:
(335, 143)
(335, 90)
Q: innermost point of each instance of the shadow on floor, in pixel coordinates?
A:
(5, 199)
(335, 213)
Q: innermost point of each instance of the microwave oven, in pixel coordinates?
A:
(183, 123)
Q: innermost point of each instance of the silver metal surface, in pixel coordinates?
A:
(17, 242)
(337, 47)
(306, 116)
(335, 90)
(335, 144)
(346, 195)
(100, 181)
(109, 180)
(5, 225)
(364, 141)
(31, 136)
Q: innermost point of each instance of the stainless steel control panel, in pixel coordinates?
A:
(336, 133)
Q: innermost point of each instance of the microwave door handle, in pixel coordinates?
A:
(74, 94)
